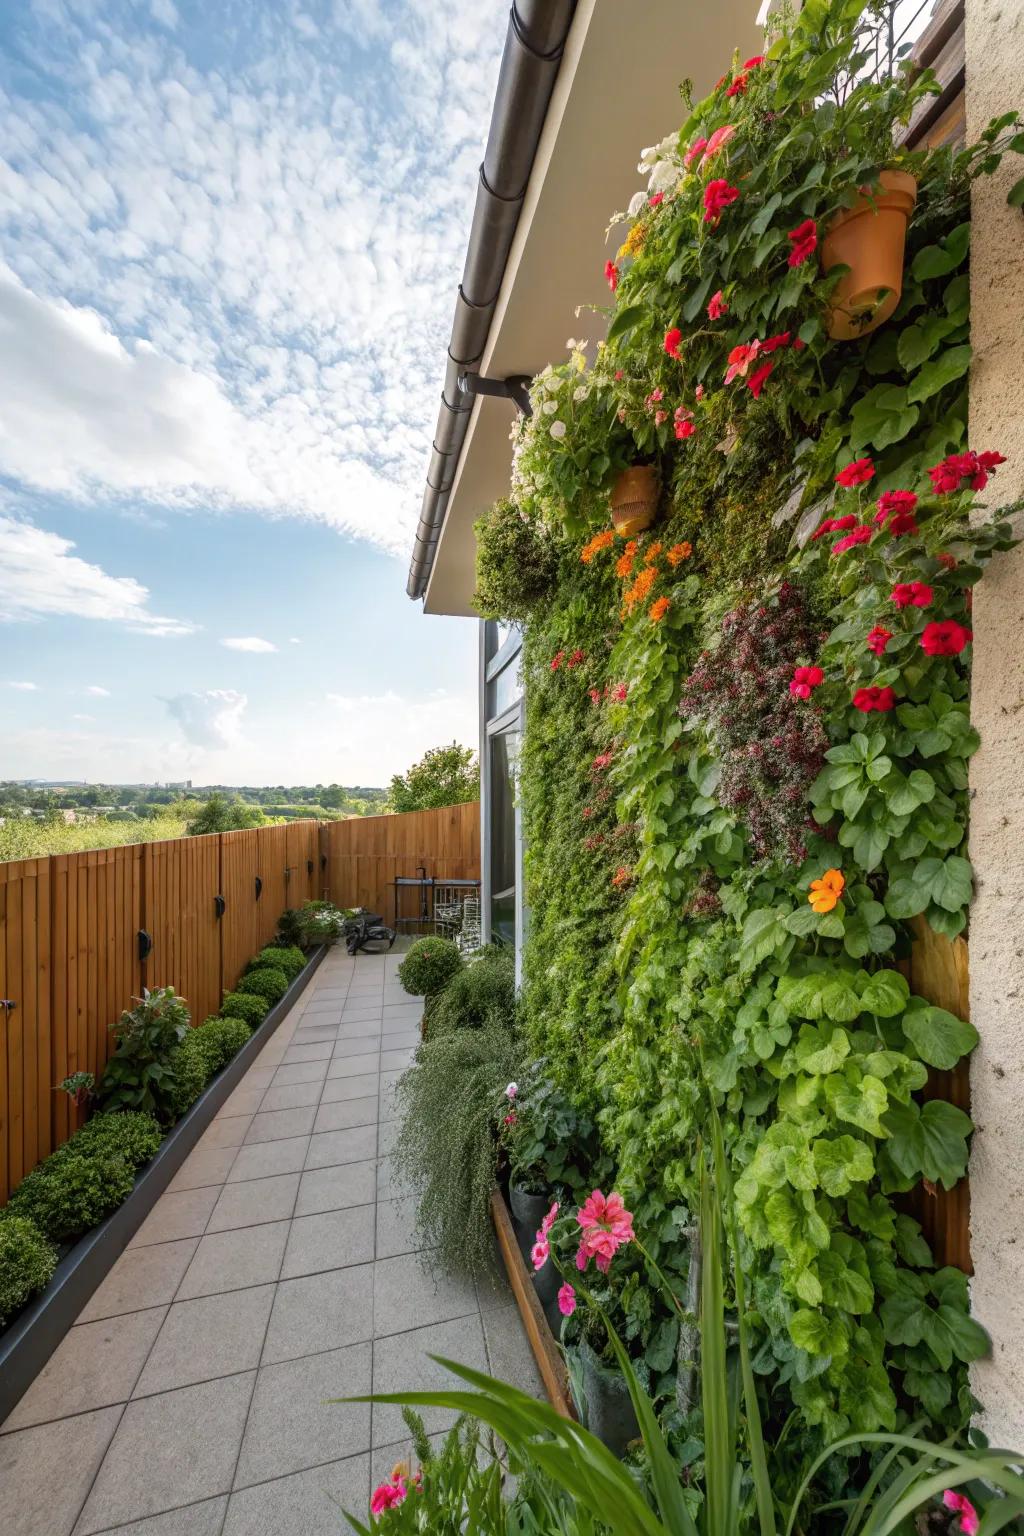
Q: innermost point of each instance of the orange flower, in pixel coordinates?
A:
(652, 554)
(599, 541)
(624, 564)
(658, 610)
(825, 893)
(633, 242)
(641, 588)
(621, 877)
(679, 552)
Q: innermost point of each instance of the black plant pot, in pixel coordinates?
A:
(610, 1414)
(528, 1211)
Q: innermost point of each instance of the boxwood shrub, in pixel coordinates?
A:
(268, 982)
(429, 965)
(243, 1005)
(73, 1189)
(288, 958)
(202, 1053)
(27, 1262)
(131, 1133)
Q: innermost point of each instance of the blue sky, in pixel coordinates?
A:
(230, 236)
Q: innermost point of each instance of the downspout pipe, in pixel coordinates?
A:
(537, 30)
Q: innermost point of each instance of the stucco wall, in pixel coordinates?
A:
(995, 69)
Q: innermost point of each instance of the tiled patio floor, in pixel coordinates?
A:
(276, 1271)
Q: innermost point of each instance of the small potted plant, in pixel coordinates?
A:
(868, 238)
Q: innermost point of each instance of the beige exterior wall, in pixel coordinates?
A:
(995, 69)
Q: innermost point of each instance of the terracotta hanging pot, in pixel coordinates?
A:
(634, 499)
(869, 238)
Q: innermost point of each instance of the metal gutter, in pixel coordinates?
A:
(537, 30)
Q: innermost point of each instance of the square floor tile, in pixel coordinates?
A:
(94, 1365)
(298, 1072)
(387, 1135)
(319, 1312)
(141, 1277)
(402, 1364)
(270, 1157)
(316, 1050)
(399, 1039)
(391, 1185)
(46, 1472)
(396, 1228)
(244, 1101)
(397, 1061)
(399, 1015)
(291, 1096)
(253, 1202)
(334, 1188)
(204, 1166)
(329, 1240)
(203, 1519)
(279, 1124)
(409, 1292)
(305, 1504)
(354, 1085)
(229, 1132)
(509, 1356)
(233, 1260)
(335, 1088)
(339, 1115)
(175, 1215)
(169, 1450)
(211, 1336)
(351, 1146)
(292, 1422)
(345, 1050)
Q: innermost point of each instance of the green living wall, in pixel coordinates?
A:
(747, 733)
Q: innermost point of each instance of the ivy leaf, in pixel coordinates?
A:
(841, 1162)
(949, 365)
(873, 1215)
(1015, 196)
(939, 1038)
(821, 1050)
(799, 1231)
(860, 1102)
(844, 1287)
(903, 1318)
(885, 995)
(812, 1331)
(910, 1245)
(937, 260)
(905, 794)
(929, 1140)
(949, 1331)
(905, 898)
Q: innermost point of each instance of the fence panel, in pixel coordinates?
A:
(26, 1077)
(366, 854)
(303, 851)
(272, 859)
(181, 878)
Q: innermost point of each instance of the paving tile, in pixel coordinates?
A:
(170, 1450)
(292, 1422)
(399, 1039)
(280, 1124)
(291, 1096)
(354, 1085)
(397, 1061)
(402, 1014)
(324, 994)
(401, 1364)
(387, 1135)
(336, 1088)
(203, 1166)
(210, 1336)
(332, 1189)
(355, 1045)
(344, 1112)
(244, 1101)
(45, 1472)
(229, 1132)
(329, 1240)
(351, 1146)
(396, 1228)
(175, 1215)
(509, 1356)
(318, 1050)
(141, 1277)
(298, 1072)
(313, 1034)
(233, 1260)
(94, 1365)
(191, 1520)
(390, 1184)
(319, 1312)
(269, 1157)
(409, 1293)
(305, 1504)
(254, 1201)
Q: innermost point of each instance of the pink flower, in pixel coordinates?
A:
(672, 340)
(696, 148)
(619, 693)
(611, 275)
(738, 86)
(805, 680)
(804, 239)
(718, 195)
(759, 379)
(567, 1300)
(659, 417)
(859, 535)
(601, 760)
(859, 472)
(511, 1090)
(577, 658)
(699, 392)
(912, 594)
(878, 639)
(740, 359)
(607, 1225)
(717, 141)
(548, 1222)
(961, 1505)
(387, 1496)
(595, 695)
(556, 660)
(510, 1118)
(655, 200)
(717, 307)
(539, 1252)
(684, 429)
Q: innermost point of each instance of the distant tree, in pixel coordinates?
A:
(222, 813)
(443, 776)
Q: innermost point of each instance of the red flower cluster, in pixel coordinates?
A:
(868, 699)
(576, 659)
(834, 525)
(896, 512)
(595, 695)
(804, 239)
(878, 639)
(672, 340)
(656, 199)
(911, 594)
(717, 307)
(684, 428)
(859, 535)
(556, 660)
(805, 680)
(611, 275)
(718, 195)
(975, 468)
(619, 693)
(859, 472)
(945, 638)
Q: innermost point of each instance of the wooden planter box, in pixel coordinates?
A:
(545, 1349)
(35, 1333)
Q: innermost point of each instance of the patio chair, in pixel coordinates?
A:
(365, 929)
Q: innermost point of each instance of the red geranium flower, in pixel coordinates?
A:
(878, 639)
(576, 658)
(718, 195)
(868, 699)
(672, 340)
(900, 523)
(859, 535)
(834, 525)
(717, 307)
(738, 86)
(946, 559)
(894, 501)
(656, 199)
(755, 61)
(611, 275)
(684, 428)
(759, 379)
(859, 472)
(804, 239)
(740, 359)
(556, 660)
(912, 594)
(775, 342)
(805, 680)
(619, 693)
(595, 695)
(945, 638)
(975, 468)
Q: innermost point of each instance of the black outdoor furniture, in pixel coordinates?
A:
(365, 930)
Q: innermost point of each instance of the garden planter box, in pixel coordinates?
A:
(35, 1333)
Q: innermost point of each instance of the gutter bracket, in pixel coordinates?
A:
(515, 388)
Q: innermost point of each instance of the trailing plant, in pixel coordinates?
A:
(137, 1076)
(481, 993)
(244, 1005)
(27, 1262)
(516, 566)
(429, 965)
(267, 982)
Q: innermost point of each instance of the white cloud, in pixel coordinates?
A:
(212, 720)
(372, 736)
(249, 643)
(25, 687)
(83, 717)
(98, 692)
(294, 640)
(40, 577)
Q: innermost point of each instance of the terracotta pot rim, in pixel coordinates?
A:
(901, 197)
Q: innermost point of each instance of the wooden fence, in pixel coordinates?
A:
(81, 934)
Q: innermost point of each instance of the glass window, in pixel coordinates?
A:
(504, 751)
(504, 690)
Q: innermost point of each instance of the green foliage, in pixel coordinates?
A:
(136, 1075)
(315, 922)
(481, 993)
(24, 837)
(225, 813)
(443, 776)
(287, 958)
(27, 1262)
(516, 565)
(130, 1134)
(267, 982)
(243, 1005)
(73, 1189)
(202, 1053)
(429, 965)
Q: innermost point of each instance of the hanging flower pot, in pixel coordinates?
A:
(869, 238)
(609, 1407)
(634, 499)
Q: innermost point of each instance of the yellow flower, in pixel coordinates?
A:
(634, 242)
(825, 893)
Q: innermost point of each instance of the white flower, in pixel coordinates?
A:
(553, 383)
(557, 429)
(663, 177)
(511, 1090)
(582, 393)
(636, 202)
(571, 344)
(550, 407)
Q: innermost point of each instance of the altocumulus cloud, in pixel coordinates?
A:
(248, 643)
(232, 249)
(212, 719)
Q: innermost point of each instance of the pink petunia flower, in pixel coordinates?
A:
(387, 1496)
(717, 307)
(962, 1506)
(567, 1300)
(549, 1221)
(540, 1252)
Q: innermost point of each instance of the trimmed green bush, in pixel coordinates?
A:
(73, 1189)
(429, 965)
(268, 982)
(482, 994)
(243, 1005)
(130, 1133)
(287, 958)
(222, 1039)
(27, 1261)
(189, 1065)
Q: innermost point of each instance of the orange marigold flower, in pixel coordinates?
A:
(624, 564)
(679, 552)
(621, 877)
(598, 542)
(658, 610)
(825, 893)
(641, 588)
(652, 554)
